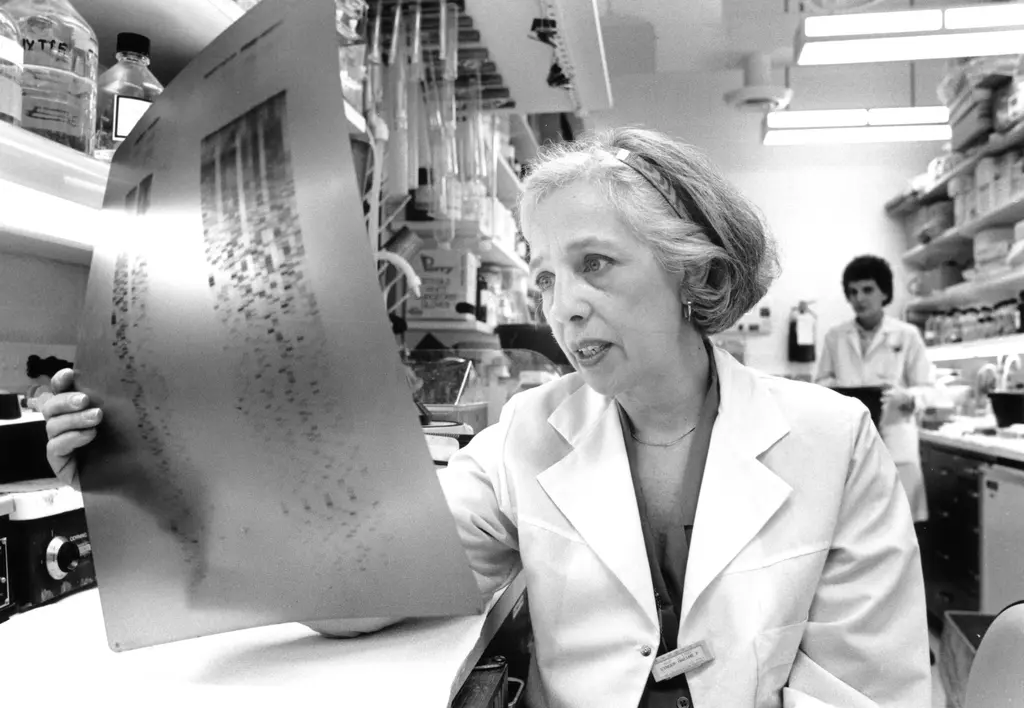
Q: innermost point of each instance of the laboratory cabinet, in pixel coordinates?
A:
(970, 545)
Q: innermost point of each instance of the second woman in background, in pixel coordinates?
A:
(876, 350)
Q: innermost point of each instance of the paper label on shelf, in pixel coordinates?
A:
(10, 98)
(127, 112)
(11, 51)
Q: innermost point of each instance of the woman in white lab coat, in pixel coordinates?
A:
(692, 532)
(876, 350)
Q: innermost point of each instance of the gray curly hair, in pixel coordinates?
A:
(722, 246)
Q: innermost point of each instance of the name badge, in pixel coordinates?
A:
(681, 661)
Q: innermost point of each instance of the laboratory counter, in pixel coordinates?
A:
(59, 652)
(1009, 451)
(969, 545)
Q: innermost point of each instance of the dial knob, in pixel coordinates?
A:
(63, 556)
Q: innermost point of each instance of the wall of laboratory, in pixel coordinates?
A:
(40, 304)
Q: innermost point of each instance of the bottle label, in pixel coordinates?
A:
(42, 51)
(40, 114)
(10, 98)
(11, 52)
(127, 112)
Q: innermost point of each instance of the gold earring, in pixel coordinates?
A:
(689, 311)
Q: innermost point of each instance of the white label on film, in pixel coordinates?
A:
(127, 112)
(12, 52)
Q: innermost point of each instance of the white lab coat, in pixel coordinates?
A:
(896, 357)
(804, 575)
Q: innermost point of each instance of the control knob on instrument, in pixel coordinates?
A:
(63, 555)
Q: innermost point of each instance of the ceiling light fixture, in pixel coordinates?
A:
(909, 35)
(865, 134)
(859, 125)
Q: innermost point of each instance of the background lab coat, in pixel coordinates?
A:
(896, 357)
(804, 574)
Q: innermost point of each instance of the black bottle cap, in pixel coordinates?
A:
(130, 42)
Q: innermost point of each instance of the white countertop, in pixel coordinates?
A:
(60, 652)
(27, 416)
(1006, 448)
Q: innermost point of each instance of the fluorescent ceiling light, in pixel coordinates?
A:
(873, 23)
(916, 115)
(983, 16)
(863, 134)
(817, 119)
(855, 117)
(911, 48)
(975, 31)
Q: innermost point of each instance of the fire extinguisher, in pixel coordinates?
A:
(802, 333)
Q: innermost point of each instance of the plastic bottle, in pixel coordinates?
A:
(125, 91)
(12, 59)
(58, 84)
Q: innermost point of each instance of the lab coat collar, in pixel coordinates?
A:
(885, 329)
(593, 488)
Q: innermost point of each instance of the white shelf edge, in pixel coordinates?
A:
(450, 326)
(969, 291)
(921, 255)
(1000, 217)
(1000, 144)
(996, 346)
(65, 234)
(509, 258)
(467, 235)
(33, 162)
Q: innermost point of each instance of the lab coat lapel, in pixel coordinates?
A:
(739, 494)
(593, 488)
(856, 356)
(881, 338)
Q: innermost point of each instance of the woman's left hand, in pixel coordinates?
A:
(899, 397)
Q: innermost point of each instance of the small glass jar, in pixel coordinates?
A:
(1009, 317)
(931, 334)
(969, 324)
(985, 322)
(942, 326)
(999, 319)
(956, 323)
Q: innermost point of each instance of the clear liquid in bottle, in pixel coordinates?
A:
(58, 88)
(125, 92)
(12, 60)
